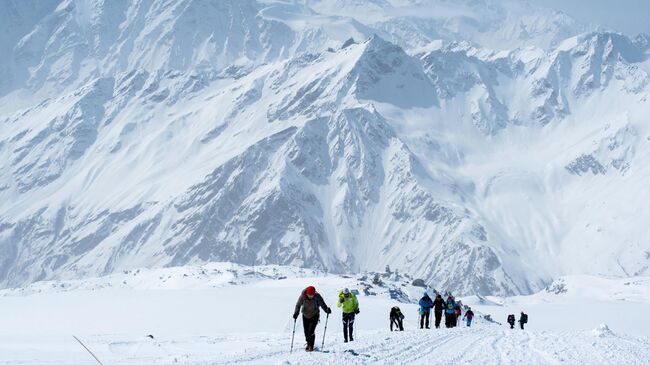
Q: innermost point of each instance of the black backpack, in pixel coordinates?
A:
(511, 318)
(524, 318)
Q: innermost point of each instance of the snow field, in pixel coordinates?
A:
(209, 315)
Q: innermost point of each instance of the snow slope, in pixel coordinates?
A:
(166, 133)
(476, 346)
(228, 314)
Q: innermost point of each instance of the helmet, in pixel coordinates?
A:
(310, 290)
(346, 291)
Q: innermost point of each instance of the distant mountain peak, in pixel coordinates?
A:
(485, 147)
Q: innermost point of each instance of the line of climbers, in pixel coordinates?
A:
(310, 302)
(451, 308)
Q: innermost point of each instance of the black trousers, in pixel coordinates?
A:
(450, 320)
(309, 325)
(512, 324)
(424, 319)
(397, 321)
(348, 326)
(521, 324)
(438, 315)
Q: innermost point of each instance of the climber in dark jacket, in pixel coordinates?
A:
(469, 315)
(425, 309)
(396, 318)
(511, 320)
(450, 312)
(309, 303)
(523, 319)
(438, 307)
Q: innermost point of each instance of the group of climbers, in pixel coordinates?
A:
(452, 309)
(310, 302)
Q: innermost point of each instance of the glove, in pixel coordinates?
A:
(328, 310)
(342, 300)
(295, 316)
(356, 311)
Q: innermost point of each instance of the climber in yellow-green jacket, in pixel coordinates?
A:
(350, 307)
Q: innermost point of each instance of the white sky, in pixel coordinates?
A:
(627, 16)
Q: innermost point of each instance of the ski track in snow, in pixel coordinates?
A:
(485, 344)
(195, 322)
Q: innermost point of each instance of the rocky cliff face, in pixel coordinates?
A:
(163, 133)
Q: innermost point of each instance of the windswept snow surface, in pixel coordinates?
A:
(228, 314)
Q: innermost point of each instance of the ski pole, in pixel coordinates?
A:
(293, 335)
(87, 349)
(324, 331)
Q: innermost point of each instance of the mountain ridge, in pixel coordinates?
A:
(456, 163)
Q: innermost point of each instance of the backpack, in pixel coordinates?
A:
(511, 318)
(524, 318)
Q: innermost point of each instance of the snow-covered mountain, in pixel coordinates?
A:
(164, 133)
(496, 24)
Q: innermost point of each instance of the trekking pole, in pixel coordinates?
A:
(324, 331)
(87, 349)
(293, 335)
